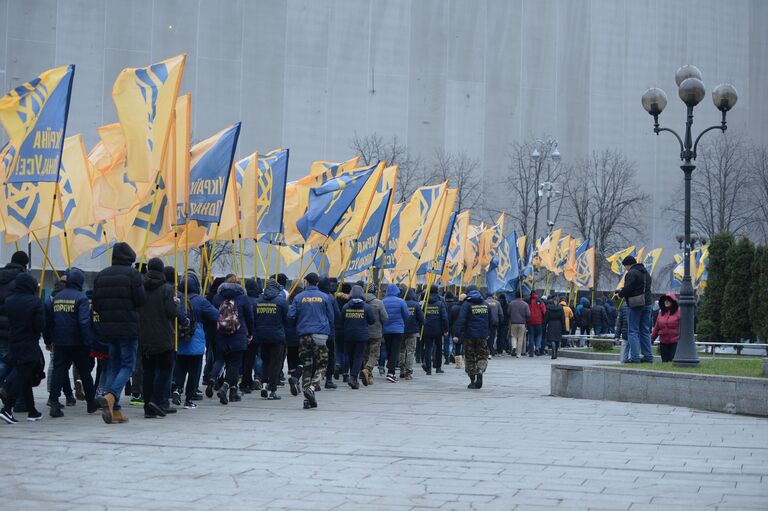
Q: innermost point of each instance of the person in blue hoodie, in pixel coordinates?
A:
(393, 328)
(313, 315)
(234, 330)
(189, 360)
(271, 318)
(413, 327)
(69, 334)
(474, 326)
(356, 316)
(435, 327)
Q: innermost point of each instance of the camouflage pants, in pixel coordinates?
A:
(314, 359)
(372, 353)
(408, 353)
(475, 356)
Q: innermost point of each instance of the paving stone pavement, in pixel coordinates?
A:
(425, 444)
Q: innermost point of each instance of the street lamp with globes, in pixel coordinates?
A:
(691, 91)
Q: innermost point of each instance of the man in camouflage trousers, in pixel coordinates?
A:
(474, 326)
(375, 335)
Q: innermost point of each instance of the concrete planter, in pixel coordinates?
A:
(765, 366)
(732, 394)
(588, 355)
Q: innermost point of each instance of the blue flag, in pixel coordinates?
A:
(209, 177)
(366, 248)
(328, 202)
(504, 271)
(270, 190)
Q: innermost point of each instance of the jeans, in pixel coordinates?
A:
(232, 361)
(639, 333)
(491, 340)
(535, 332)
(393, 342)
(447, 346)
(598, 330)
(122, 360)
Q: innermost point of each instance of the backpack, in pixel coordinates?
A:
(186, 332)
(229, 318)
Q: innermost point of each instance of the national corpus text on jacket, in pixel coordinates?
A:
(357, 315)
(118, 293)
(271, 315)
(436, 317)
(68, 314)
(474, 320)
(415, 314)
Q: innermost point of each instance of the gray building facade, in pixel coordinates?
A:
(454, 75)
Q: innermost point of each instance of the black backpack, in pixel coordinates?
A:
(187, 332)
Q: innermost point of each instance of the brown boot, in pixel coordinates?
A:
(107, 402)
(459, 360)
(367, 377)
(118, 417)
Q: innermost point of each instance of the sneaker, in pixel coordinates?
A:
(7, 416)
(223, 394)
(345, 378)
(439, 370)
(55, 411)
(176, 398)
(79, 392)
(353, 383)
(153, 409)
(294, 386)
(197, 396)
(392, 378)
(34, 416)
(71, 401)
(273, 396)
(337, 372)
(307, 406)
(53, 403)
(256, 384)
(209, 390)
(136, 401)
(330, 385)
(246, 388)
(409, 377)
(92, 406)
(234, 395)
(170, 410)
(424, 367)
(309, 395)
(189, 405)
(264, 392)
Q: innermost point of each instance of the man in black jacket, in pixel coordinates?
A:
(637, 283)
(18, 264)
(435, 327)
(118, 293)
(473, 327)
(270, 320)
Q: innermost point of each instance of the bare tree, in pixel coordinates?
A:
(758, 164)
(720, 191)
(462, 172)
(526, 175)
(605, 203)
(412, 171)
(223, 258)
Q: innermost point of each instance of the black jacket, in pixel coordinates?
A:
(474, 318)
(156, 332)
(357, 316)
(415, 314)
(26, 320)
(7, 276)
(599, 316)
(118, 293)
(239, 340)
(554, 319)
(436, 318)
(271, 316)
(68, 314)
(638, 282)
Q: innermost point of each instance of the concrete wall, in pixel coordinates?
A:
(469, 75)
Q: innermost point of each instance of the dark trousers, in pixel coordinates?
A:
(491, 340)
(667, 352)
(233, 361)
(186, 374)
(157, 371)
(502, 335)
(292, 356)
(393, 342)
(64, 357)
(210, 358)
(432, 347)
(249, 362)
(330, 367)
(554, 346)
(355, 354)
(272, 357)
(22, 386)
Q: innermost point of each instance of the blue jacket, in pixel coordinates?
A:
(271, 316)
(357, 316)
(397, 311)
(415, 314)
(239, 340)
(474, 318)
(312, 312)
(436, 317)
(202, 312)
(68, 314)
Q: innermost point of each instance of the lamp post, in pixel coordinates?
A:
(547, 188)
(691, 91)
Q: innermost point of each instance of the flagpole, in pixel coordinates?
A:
(240, 244)
(63, 226)
(209, 261)
(277, 261)
(269, 255)
(48, 237)
(175, 281)
(45, 255)
(106, 241)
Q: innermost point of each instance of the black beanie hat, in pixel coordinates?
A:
(155, 264)
(312, 278)
(629, 261)
(20, 258)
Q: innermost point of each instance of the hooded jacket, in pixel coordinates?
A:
(271, 315)
(474, 318)
(584, 313)
(26, 320)
(494, 307)
(637, 282)
(357, 317)
(538, 309)
(324, 285)
(118, 293)
(156, 332)
(7, 277)
(518, 311)
(312, 312)
(375, 330)
(610, 311)
(554, 320)
(415, 314)
(68, 314)
(397, 311)
(599, 318)
(239, 340)
(436, 318)
(622, 322)
(667, 325)
(203, 312)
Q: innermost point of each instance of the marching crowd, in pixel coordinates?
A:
(160, 338)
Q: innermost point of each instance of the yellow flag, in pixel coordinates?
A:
(179, 175)
(569, 268)
(145, 98)
(454, 261)
(437, 232)
(472, 266)
(490, 241)
(616, 259)
(323, 167)
(83, 240)
(415, 223)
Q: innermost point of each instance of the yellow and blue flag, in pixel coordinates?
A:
(454, 262)
(386, 260)
(504, 271)
(365, 249)
(145, 99)
(209, 175)
(619, 256)
(329, 201)
(35, 117)
(651, 259)
(272, 178)
(438, 266)
(585, 269)
(436, 234)
(416, 221)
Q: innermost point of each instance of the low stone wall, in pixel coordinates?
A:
(732, 394)
(588, 355)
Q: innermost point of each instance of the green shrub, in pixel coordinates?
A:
(601, 344)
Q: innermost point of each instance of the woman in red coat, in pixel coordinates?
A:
(667, 326)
